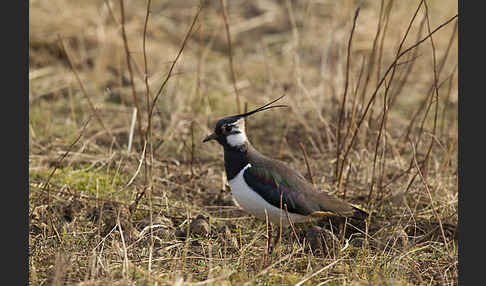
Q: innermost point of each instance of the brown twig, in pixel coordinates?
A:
(148, 166)
(343, 103)
(371, 62)
(130, 71)
(230, 54)
(309, 170)
(352, 120)
(447, 101)
(145, 64)
(410, 64)
(164, 83)
(386, 16)
(436, 89)
(291, 223)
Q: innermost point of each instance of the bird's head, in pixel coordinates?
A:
(230, 131)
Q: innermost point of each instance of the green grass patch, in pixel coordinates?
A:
(84, 179)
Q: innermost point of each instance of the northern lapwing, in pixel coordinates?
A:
(263, 186)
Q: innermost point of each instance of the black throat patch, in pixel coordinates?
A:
(235, 159)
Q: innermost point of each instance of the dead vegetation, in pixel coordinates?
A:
(372, 87)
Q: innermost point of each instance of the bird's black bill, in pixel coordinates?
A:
(262, 108)
(210, 137)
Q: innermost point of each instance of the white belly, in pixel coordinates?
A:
(254, 204)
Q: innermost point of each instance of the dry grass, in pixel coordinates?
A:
(381, 135)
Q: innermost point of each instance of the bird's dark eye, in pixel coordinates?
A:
(228, 128)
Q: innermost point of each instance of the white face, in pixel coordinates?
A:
(236, 140)
(235, 133)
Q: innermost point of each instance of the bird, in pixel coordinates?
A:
(268, 188)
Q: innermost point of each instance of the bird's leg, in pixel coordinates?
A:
(269, 238)
(342, 229)
(268, 251)
(276, 240)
